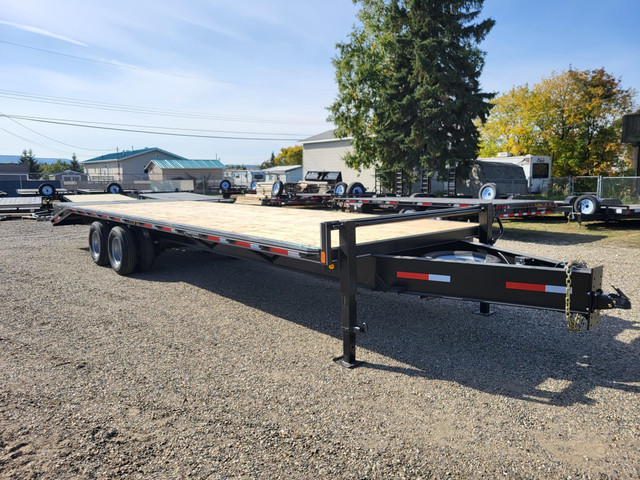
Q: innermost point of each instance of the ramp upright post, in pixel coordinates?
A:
(348, 289)
(485, 235)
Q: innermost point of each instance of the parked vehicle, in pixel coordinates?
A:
(537, 169)
(491, 180)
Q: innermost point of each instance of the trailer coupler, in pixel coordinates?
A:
(612, 300)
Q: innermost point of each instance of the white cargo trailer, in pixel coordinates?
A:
(537, 169)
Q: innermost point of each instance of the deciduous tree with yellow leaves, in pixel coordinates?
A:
(573, 116)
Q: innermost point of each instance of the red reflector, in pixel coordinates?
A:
(279, 251)
(413, 275)
(532, 287)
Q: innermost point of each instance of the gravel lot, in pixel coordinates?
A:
(216, 368)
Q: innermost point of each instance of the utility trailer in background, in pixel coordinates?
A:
(412, 254)
(419, 202)
(589, 207)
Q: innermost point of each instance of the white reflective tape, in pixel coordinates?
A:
(439, 278)
(556, 289)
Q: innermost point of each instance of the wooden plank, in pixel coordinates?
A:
(287, 225)
(99, 198)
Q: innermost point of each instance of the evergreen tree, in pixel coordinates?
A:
(29, 159)
(269, 163)
(408, 84)
(75, 164)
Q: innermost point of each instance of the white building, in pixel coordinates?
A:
(284, 173)
(325, 152)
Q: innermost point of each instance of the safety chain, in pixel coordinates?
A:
(576, 322)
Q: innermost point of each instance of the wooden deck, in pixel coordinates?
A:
(98, 198)
(285, 225)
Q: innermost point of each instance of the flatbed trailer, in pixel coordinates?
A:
(588, 207)
(412, 254)
(502, 208)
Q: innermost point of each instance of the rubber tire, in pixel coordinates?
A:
(340, 190)
(592, 205)
(356, 189)
(277, 189)
(47, 187)
(146, 248)
(98, 250)
(488, 187)
(123, 254)
(225, 185)
(114, 188)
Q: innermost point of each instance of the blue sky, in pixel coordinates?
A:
(255, 75)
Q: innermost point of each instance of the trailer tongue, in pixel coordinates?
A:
(425, 253)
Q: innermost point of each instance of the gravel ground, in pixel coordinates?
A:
(216, 368)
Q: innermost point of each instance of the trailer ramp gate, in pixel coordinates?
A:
(413, 254)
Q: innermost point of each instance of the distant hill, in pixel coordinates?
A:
(16, 159)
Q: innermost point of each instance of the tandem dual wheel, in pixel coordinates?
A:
(125, 249)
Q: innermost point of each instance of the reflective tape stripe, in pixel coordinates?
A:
(429, 277)
(536, 287)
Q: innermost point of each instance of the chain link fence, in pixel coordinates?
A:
(626, 189)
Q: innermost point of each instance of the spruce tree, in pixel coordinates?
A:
(408, 84)
(29, 159)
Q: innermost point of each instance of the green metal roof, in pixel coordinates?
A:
(166, 164)
(128, 153)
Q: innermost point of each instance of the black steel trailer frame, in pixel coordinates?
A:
(398, 265)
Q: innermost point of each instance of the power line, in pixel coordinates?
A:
(88, 122)
(144, 110)
(10, 117)
(217, 137)
(34, 142)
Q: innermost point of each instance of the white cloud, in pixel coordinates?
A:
(41, 31)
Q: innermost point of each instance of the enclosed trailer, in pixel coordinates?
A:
(537, 169)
